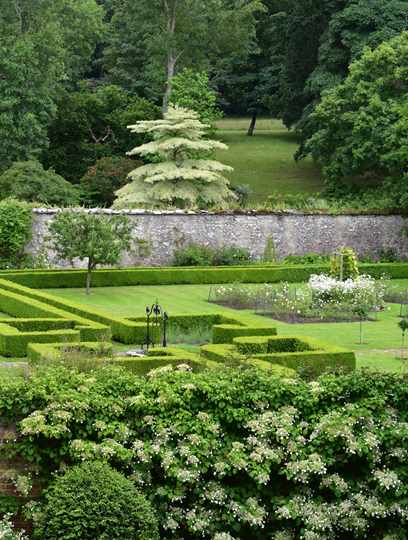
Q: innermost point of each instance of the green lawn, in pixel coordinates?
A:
(381, 338)
(265, 161)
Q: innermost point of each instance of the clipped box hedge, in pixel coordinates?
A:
(37, 352)
(156, 358)
(225, 333)
(289, 351)
(14, 343)
(49, 279)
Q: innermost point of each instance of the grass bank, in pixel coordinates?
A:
(265, 161)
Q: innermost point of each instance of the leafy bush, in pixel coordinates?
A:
(98, 239)
(308, 258)
(237, 452)
(94, 502)
(8, 532)
(191, 90)
(197, 255)
(101, 180)
(231, 256)
(357, 293)
(15, 231)
(193, 255)
(344, 265)
(29, 181)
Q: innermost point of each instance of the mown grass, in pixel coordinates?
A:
(265, 161)
(382, 338)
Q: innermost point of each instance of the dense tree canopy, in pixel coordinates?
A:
(361, 126)
(75, 73)
(43, 44)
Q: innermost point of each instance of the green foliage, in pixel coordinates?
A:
(198, 255)
(40, 279)
(15, 231)
(94, 502)
(29, 181)
(182, 175)
(321, 39)
(100, 181)
(225, 333)
(149, 41)
(96, 238)
(403, 324)
(269, 254)
(193, 255)
(191, 90)
(92, 124)
(344, 265)
(347, 122)
(308, 258)
(8, 531)
(280, 451)
(37, 53)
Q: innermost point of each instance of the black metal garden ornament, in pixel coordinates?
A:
(156, 320)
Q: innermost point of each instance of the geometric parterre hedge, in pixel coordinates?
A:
(43, 324)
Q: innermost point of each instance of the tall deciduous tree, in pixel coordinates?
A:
(181, 175)
(91, 124)
(151, 39)
(360, 129)
(38, 52)
(97, 239)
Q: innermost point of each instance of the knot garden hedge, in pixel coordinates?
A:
(42, 326)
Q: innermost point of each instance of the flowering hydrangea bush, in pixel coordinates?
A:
(8, 532)
(232, 453)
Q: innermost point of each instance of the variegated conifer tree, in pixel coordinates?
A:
(181, 175)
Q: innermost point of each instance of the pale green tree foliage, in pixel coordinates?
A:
(182, 175)
(191, 90)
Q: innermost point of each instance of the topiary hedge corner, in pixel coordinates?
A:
(290, 352)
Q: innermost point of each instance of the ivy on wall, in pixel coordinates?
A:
(15, 232)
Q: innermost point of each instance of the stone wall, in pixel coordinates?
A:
(158, 234)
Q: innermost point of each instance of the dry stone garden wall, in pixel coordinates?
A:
(158, 234)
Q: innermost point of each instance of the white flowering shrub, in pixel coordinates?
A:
(232, 453)
(362, 291)
(323, 297)
(8, 532)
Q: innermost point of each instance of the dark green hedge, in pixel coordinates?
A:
(289, 351)
(225, 333)
(44, 279)
(14, 343)
(37, 352)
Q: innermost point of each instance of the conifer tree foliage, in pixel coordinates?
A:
(182, 174)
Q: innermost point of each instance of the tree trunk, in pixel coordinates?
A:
(252, 125)
(88, 278)
(170, 9)
(170, 68)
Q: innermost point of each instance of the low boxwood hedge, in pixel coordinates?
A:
(49, 279)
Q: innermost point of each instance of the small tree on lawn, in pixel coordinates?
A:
(98, 239)
(182, 175)
(404, 327)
